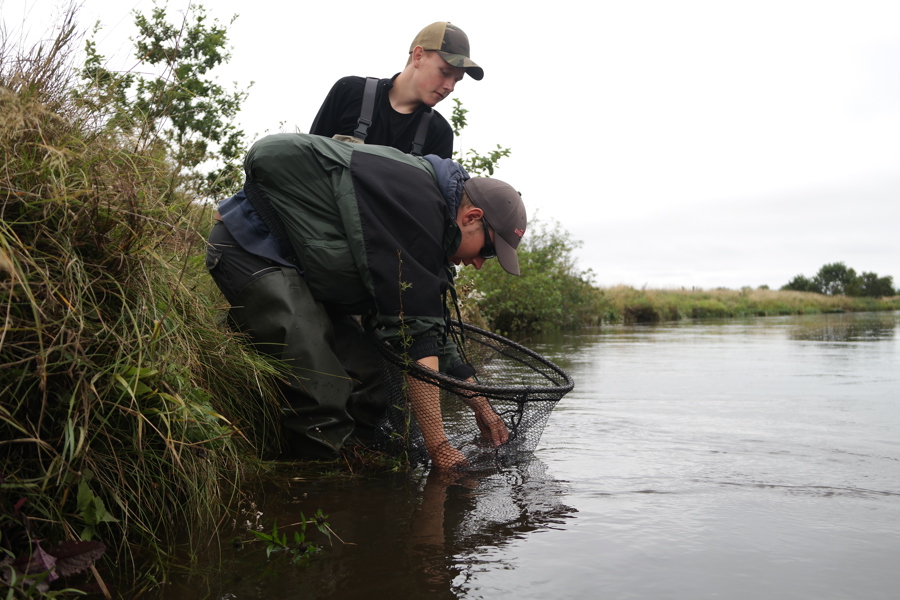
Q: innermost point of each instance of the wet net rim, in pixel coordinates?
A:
(446, 381)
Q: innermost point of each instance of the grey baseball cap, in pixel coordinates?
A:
(505, 214)
(451, 43)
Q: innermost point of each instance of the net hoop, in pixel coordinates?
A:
(561, 382)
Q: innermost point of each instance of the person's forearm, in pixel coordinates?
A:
(477, 403)
(426, 403)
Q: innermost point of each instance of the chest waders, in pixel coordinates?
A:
(331, 388)
(332, 384)
(368, 109)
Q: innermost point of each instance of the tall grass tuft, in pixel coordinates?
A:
(127, 414)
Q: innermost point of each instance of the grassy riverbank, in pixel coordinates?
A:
(623, 304)
(128, 413)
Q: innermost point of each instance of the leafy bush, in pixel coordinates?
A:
(551, 293)
(800, 283)
(173, 101)
(837, 279)
(873, 286)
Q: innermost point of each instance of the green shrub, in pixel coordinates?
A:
(551, 292)
(837, 279)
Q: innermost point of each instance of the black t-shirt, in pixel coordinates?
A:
(340, 112)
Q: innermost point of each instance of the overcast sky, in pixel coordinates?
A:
(687, 144)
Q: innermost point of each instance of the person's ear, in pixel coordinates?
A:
(418, 54)
(473, 214)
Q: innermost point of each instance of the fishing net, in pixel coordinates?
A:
(521, 386)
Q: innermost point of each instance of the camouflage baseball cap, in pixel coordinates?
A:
(504, 212)
(451, 43)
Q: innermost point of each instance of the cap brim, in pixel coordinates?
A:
(458, 60)
(506, 255)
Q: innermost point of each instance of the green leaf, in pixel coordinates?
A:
(91, 507)
(139, 372)
(265, 537)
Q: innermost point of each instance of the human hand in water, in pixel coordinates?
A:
(491, 425)
(447, 458)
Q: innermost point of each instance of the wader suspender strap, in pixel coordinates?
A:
(365, 118)
(421, 132)
(368, 106)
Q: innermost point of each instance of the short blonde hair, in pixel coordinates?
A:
(465, 202)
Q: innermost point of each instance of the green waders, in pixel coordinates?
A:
(335, 388)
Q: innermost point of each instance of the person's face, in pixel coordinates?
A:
(435, 77)
(477, 242)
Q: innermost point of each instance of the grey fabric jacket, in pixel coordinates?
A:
(368, 226)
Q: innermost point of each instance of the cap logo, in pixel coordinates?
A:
(519, 232)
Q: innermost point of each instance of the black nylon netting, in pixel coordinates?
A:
(521, 386)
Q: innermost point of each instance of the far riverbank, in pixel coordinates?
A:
(625, 304)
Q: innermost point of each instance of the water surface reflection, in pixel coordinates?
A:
(866, 327)
(404, 537)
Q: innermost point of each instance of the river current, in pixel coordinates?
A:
(739, 459)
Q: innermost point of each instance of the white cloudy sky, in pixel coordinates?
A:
(686, 143)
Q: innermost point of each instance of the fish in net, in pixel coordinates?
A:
(521, 386)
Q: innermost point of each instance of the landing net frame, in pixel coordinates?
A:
(522, 386)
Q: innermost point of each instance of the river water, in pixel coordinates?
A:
(739, 459)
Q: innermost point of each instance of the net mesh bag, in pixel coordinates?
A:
(521, 386)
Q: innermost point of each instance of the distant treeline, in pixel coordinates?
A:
(836, 278)
(553, 293)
